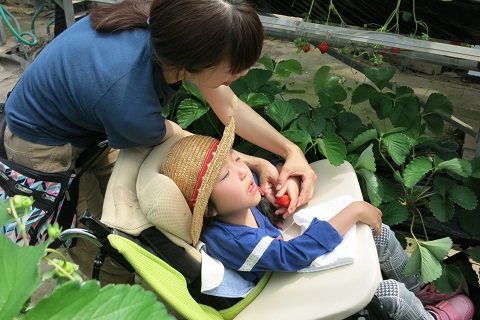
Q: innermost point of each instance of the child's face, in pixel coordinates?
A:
(235, 189)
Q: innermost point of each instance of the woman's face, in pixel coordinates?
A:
(235, 189)
(215, 77)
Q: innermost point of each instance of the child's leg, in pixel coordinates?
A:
(401, 303)
(393, 259)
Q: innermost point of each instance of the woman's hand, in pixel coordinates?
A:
(266, 172)
(297, 166)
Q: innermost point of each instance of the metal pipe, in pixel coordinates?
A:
(429, 51)
(79, 233)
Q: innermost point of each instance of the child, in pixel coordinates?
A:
(221, 190)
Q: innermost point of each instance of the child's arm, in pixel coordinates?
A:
(357, 211)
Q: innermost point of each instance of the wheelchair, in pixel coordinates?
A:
(154, 241)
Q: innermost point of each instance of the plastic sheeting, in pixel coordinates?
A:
(456, 20)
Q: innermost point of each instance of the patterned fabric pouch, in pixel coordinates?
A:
(55, 197)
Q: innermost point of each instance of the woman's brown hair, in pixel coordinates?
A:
(194, 35)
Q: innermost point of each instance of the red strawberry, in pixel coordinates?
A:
(323, 47)
(395, 50)
(306, 48)
(283, 201)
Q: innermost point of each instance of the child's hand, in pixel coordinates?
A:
(292, 190)
(369, 214)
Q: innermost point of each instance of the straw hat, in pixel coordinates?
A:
(194, 163)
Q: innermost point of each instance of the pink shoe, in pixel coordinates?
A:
(459, 307)
(430, 295)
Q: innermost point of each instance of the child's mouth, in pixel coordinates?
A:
(252, 188)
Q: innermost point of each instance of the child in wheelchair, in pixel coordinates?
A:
(223, 196)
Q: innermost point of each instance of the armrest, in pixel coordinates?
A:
(330, 294)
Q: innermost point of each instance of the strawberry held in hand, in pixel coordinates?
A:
(283, 201)
(323, 47)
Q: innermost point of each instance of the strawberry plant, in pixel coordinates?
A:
(302, 44)
(73, 298)
(403, 164)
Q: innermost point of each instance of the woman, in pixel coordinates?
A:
(110, 74)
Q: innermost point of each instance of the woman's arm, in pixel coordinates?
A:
(171, 129)
(252, 127)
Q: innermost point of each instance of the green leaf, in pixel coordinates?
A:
(442, 208)
(313, 125)
(439, 248)
(474, 253)
(74, 301)
(19, 275)
(422, 260)
(372, 184)
(255, 100)
(193, 90)
(442, 184)
(395, 130)
(348, 123)
(407, 16)
(393, 213)
(463, 196)
(321, 77)
(469, 220)
(406, 108)
(189, 111)
(434, 123)
(366, 160)
(285, 67)
(415, 171)
(300, 137)
(414, 263)
(281, 112)
(450, 279)
(362, 93)
(267, 62)
(397, 146)
(439, 104)
(5, 217)
(389, 190)
(362, 138)
(380, 76)
(333, 148)
(300, 106)
(382, 103)
(458, 166)
(255, 78)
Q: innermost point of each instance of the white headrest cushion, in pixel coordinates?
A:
(160, 199)
(121, 209)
